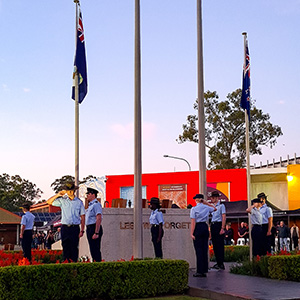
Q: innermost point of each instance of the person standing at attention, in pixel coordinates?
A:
(26, 234)
(217, 229)
(199, 233)
(267, 223)
(93, 219)
(256, 221)
(72, 219)
(156, 221)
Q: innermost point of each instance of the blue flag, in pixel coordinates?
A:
(245, 100)
(80, 61)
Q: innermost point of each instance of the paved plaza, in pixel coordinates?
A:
(222, 285)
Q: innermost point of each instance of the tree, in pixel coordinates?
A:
(59, 184)
(225, 130)
(15, 191)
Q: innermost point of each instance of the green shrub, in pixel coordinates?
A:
(134, 279)
(285, 267)
(258, 267)
(244, 268)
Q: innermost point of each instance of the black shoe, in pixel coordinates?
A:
(216, 267)
(199, 275)
(222, 267)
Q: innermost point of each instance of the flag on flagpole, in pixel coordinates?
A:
(245, 100)
(80, 61)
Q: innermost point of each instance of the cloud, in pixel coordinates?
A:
(127, 131)
(5, 87)
(26, 90)
(123, 131)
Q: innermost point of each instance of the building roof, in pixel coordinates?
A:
(279, 164)
(55, 222)
(39, 205)
(7, 217)
(41, 216)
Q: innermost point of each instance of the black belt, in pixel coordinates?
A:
(201, 223)
(216, 222)
(70, 225)
(90, 225)
(257, 225)
(154, 225)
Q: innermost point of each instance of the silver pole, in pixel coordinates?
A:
(76, 111)
(248, 158)
(201, 118)
(180, 158)
(137, 211)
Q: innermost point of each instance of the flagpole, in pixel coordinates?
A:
(201, 117)
(137, 211)
(248, 158)
(76, 110)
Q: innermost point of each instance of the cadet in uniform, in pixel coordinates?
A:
(267, 223)
(199, 232)
(27, 222)
(93, 219)
(157, 221)
(72, 219)
(256, 221)
(217, 227)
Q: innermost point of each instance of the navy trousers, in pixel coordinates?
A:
(157, 245)
(94, 244)
(266, 239)
(201, 247)
(257, 238)
(26, 244)
(218, 242)
(70, 241)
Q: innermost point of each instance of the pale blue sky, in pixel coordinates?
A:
(36, 64)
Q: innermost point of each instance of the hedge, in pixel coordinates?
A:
(134, 279)
(284, 267)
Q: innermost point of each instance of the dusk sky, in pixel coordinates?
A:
(36, 65)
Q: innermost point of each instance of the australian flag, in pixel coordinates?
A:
(245, 100)
(80, 61)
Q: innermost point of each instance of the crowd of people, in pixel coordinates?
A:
(42, 241)
(281, 237)
(75, 219)
(266, 238)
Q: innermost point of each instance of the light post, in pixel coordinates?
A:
(175, 157)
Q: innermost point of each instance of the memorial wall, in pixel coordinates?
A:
(117, 240)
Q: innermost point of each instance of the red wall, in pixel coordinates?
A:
(236, 177)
